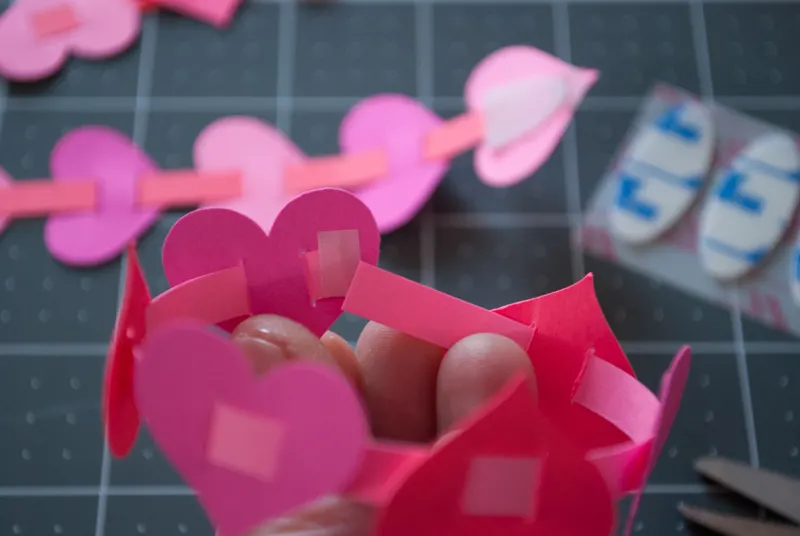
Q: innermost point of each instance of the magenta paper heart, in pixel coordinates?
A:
(295, 435)
(510, 165)
(116, 163)
(398, 125)
(37, 36)
(260, 152)
(212, 239)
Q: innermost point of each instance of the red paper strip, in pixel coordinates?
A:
(189, 188)
(210, 299)
(454, 137)
(53, 20)
(423, 312)
(341, 171)
(38, 198)
(120, 414)
(243, 442)
(619, 398)
(384, 467)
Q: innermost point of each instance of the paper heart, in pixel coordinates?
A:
(511, 164)
(670, 394)
(260, 152)
(37, 36)
(212, 239)
(115, 162)
(503, 471)
(5, 181)
(397, 197)
(120, 414)
(288, 438)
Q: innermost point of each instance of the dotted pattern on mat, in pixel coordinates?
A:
(302, 67)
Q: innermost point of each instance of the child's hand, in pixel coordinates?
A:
(413, 392)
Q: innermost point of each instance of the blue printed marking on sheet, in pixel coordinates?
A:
(752, 257)
(626, 199)
(797, 263)
(730, 192)
(670, 123)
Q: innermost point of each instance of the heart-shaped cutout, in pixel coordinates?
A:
(396, 198)
(260, 152)
(112, 160)
(120, 414)
(253, 448)
(213, 239)
(503, 471)
(37, 36)
(530, 66)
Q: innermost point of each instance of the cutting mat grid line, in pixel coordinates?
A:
(302, 67)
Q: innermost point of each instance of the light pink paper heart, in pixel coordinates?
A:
(6, 181)
(514, 163)
(316, 438)
(670, 394)
(103, 29)
(115, 162)
(260, 152)
(397, 124)
(212, 239)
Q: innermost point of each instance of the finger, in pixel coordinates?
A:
(473, 371)
(344, 356)
(269, 340)
(399, 383)
(330, 516)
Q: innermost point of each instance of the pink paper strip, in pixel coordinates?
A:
(209, 299)
(502, 487)
(54, 20)
(244, 442)
(338, 258)
(619, 398)
(423, 312)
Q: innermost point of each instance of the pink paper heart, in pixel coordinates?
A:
(115, 162)
(670, 394)
(514, 163)
(260, 152)
(318, 428)
(102, 29)
(397, 124)
(5, 181)
(212, 239)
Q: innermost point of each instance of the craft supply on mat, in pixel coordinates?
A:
(734, 241)
(776, 492)
(751, 208)
(217, 13)
(37, 36)
(662, 172)
(585, 425)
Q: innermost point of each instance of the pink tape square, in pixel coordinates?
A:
(339, 253)
(243, 442)
(54, 20)
(501, 487)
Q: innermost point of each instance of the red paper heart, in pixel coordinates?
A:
(482, 468)
(213, 239)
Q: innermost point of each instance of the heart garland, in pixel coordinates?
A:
(255, 448)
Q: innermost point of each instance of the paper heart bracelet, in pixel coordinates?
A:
(37, 36)
(106, 191)
(255, 448)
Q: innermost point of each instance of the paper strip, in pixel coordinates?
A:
(244, 442)
(502, 487)
(337, 260)
(209, 299)
(54, 20)
(39, 198)
(189, 188)
(423, 312)
(340, 171)
(454, 137)
(384, 466)
(619, 398)
(217, 13)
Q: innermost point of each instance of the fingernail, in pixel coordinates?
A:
(263, 353)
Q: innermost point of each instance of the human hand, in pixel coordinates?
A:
(413, 392)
